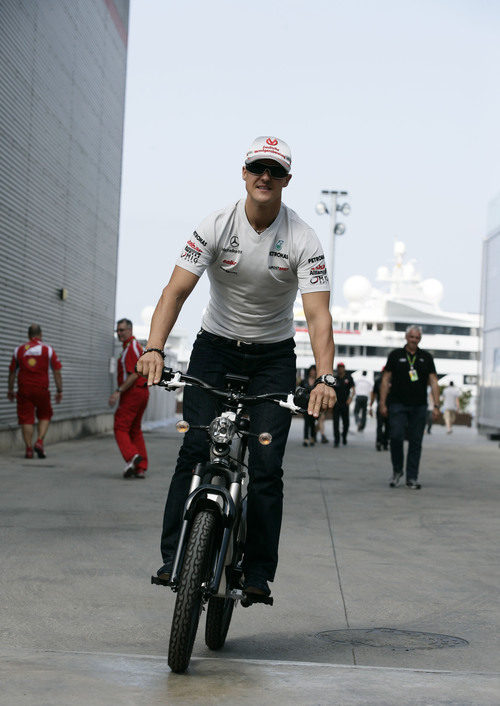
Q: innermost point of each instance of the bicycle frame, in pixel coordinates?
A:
(224, 498)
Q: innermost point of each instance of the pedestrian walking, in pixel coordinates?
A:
(321, 427)
(430, 410)
(408, 372)
(257, 253)
(451, 405)
(345, 390)
(132, 395)
(364, 387)
(309, 421)
(382, 434)
(31, 362)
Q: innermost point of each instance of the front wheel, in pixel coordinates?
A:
(189, 603)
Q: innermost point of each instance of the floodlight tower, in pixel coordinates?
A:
(335, 228)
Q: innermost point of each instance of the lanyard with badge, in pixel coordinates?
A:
(412, 372)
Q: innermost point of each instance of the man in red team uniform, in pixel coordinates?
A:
(133, 394)
(31, 363)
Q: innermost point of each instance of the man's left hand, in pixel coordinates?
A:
(113, 399)
(322, 398)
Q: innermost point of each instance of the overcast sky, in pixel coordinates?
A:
(394, 101)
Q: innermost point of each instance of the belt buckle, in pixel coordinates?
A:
(240, 343)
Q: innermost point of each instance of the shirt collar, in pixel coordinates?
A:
(125, 343)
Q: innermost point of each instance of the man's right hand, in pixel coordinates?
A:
(383, 409)
(150, 365)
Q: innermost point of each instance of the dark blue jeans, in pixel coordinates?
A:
(271, 368)
(406, 421)
(340, 411)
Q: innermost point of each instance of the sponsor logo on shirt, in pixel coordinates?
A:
(315, 259)
(319, 269)
(193, 246)
(273, 253)
(281, 269)
(200, 239)
(229, 262)
(190, 255)
(278, 244)
(234, 242)
(319, 279)
(233, 250)
(33, 350)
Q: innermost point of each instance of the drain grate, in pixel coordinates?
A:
(391, 638)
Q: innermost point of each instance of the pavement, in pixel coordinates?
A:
(383, 596)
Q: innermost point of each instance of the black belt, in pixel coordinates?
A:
(243, 345)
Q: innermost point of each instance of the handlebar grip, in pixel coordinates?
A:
(167, 374)
(301, 397)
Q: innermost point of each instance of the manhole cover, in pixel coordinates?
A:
(393, 639)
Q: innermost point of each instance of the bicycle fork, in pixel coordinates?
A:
(224, 502)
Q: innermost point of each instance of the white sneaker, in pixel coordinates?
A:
(131, 467)
(413, 485)
(396, 478)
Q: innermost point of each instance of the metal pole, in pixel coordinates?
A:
(333, 223)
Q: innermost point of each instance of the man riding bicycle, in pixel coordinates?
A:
(257, 253)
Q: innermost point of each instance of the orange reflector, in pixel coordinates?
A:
(182, 426)
(265, 438)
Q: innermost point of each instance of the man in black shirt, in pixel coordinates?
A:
(344, 388)
(382, 438)
(408, 372)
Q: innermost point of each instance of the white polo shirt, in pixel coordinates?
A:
(254, 278)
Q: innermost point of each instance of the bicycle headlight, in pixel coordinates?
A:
(221, 430)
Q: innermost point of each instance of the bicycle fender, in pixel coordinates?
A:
(200, 499)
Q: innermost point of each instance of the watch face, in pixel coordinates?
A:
(329, 379)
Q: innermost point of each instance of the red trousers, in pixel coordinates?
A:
(127, 427)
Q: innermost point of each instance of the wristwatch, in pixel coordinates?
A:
(327, 379)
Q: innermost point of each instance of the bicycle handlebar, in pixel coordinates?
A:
(175, 379)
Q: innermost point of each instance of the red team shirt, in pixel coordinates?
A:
(32, 361)
(132, 351)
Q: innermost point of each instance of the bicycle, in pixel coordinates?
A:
(207, 567)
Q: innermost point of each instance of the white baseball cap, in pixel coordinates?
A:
(266, 147)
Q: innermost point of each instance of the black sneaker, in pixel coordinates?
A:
(166, 571)
(256, 586)
(413, 485)
(344, 441)
(396, 478)
(324, 440)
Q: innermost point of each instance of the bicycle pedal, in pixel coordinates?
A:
(248, 599)
(159, 582)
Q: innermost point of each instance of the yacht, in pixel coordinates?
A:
(375, 319)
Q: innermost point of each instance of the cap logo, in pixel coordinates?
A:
(271, 142)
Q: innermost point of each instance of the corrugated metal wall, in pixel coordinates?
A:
(62, 87)
(489, 389)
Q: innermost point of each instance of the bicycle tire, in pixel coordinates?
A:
(189, 602)
(219, 614)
